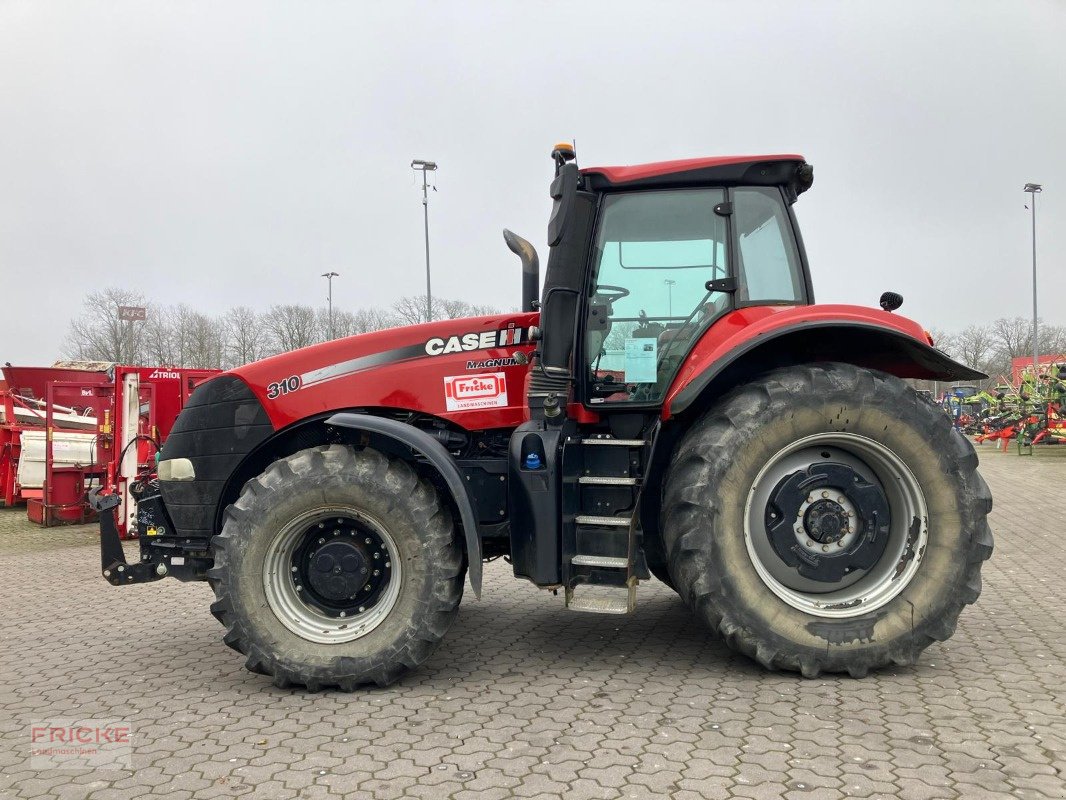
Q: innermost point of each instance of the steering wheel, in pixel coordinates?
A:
(612, 294)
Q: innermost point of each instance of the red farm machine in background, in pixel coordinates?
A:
(70, 429)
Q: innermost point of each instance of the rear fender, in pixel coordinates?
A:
(864, 344)
(440, 459)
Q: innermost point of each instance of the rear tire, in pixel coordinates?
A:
(337, 567)
(661, 572)
(821, 593)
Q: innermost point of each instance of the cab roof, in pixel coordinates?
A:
(764, 170)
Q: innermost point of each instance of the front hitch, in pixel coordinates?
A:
(116, 570)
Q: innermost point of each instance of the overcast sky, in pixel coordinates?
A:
(225, 153)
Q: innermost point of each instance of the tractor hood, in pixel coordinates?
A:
(469, 370)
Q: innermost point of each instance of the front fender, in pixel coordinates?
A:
(862, 343)
(433, 451)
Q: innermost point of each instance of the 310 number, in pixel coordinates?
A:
(278, 388)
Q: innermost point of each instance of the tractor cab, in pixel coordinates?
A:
(644, 260)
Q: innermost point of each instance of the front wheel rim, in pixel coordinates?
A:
(905, 536)
(332, 575)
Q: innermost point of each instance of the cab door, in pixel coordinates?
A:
(666, 265)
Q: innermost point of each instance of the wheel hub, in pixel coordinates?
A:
(338, 570)
(827, 521)
(341, 568)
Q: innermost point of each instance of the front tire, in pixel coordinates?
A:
(337, 567)
(826, 518)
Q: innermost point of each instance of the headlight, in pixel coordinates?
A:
(176, 469)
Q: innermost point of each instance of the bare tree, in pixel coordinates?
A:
(1013, 336)
(350, 323)
(246, 336)
(160, 346)
(457, 309)
(373, 319)
(99, 335)
(975, 347)
(291, 327)
(1053, 340)
(204, 342)
(411, 310)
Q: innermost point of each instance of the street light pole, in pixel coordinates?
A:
(329, 276)
(670, 295)
(1034, 189)
(425, 167)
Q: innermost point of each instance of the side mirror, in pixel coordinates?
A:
(890, 301)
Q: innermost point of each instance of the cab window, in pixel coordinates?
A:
(768, 266)
(648, 301)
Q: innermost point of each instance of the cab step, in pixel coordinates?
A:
(605, 480)
(609, 440)
(613, 522)
(608, 562)
(597, 599)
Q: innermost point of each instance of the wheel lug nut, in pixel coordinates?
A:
(825, 494)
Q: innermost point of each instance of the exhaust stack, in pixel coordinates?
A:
(530, 269)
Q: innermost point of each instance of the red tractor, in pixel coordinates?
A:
(671, 404)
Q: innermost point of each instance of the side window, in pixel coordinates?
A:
(768, 264)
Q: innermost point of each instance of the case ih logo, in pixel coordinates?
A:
(464, 392)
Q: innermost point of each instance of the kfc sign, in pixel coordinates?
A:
(132, 313)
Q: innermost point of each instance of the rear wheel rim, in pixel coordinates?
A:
(860, 590)
(332, 575)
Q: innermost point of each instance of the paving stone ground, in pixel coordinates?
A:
(527, 700)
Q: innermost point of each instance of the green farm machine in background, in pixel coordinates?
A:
(1031, 414)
